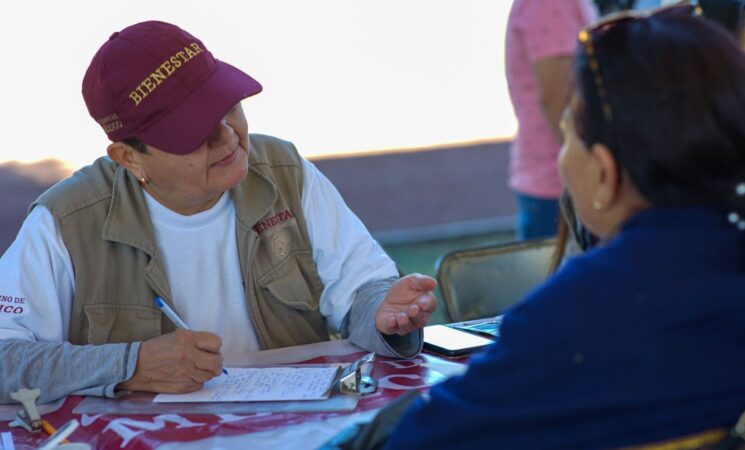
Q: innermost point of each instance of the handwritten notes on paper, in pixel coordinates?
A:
(264, 384)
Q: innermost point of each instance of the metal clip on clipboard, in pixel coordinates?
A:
(356, 379)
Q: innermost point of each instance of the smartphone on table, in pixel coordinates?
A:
(488, 327)
(448, 341)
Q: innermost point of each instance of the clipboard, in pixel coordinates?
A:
(352, 382)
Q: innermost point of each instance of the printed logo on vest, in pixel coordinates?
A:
(273, 221)
(11, 305)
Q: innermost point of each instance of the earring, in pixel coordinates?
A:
(143, 181)
(740, 189)
(597, 206)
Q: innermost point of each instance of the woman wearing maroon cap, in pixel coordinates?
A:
(235, 235)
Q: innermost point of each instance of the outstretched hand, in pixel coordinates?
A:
(407, 306)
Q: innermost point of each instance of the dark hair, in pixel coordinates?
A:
(728, 13)
(676, 88)
(136, 144)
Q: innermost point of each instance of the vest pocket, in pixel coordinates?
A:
(108, 323)
(293, 282)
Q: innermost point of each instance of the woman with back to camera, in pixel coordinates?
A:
(572, 235)
(639, 340)
(728, 13)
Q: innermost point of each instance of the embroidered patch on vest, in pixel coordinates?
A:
(281, 244)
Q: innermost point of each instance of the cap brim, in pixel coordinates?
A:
(190, 123)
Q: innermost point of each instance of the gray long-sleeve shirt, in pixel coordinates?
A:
(60, 368)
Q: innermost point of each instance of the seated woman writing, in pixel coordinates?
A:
(642, 338)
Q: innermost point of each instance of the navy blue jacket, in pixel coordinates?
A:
(640, 340)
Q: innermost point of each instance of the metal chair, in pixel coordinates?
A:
(714, 439)
(483, 282)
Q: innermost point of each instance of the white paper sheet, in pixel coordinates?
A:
(6, 441)
(264, 384)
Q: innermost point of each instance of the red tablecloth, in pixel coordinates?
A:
(149, 431)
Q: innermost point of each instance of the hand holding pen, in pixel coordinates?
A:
(175, 318)
(176, 362)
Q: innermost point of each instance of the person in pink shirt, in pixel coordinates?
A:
(541, 37)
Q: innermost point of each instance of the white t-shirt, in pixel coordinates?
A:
(37, 278)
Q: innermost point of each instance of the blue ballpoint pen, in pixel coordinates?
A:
(171, 314)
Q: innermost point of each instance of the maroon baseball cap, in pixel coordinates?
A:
(155, 82)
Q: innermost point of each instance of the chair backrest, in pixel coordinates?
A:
(706, 440)
(482, 282)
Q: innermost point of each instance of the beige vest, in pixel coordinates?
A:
(103, 218)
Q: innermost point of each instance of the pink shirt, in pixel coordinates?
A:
(536, 30)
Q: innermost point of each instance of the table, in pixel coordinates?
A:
(256, 430)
